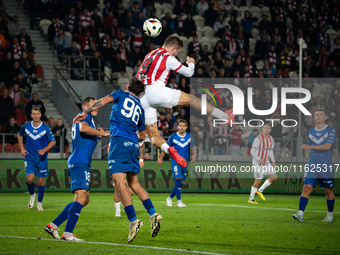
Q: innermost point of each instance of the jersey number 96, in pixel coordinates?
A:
(131, 110)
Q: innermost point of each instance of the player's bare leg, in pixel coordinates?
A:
(256, 184)
(330, 204)
(159, 142)
(41, 190)
(30, 186)
(143, 195)
(117, 201)
(190, 100)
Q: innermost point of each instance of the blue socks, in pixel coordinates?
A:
(41, 190)
(73, 215)
(130, 212)
(149, 206)
(303, 203)
(62, 216)
(30, 188)
(177, 189)
(330, 205)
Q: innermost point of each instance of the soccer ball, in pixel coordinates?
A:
(152, 27)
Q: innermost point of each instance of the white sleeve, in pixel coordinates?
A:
(176, 66)
(255, 148)
(271, 152)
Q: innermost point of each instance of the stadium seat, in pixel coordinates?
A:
(238, 19)
(167, 8)
(252, 44)
(241, 11)
(159, 9)
(255, 9)
(16, 148)
(208, 31)
(257, 14)
(199, 20)
(182, 56)
(185, 42)
(184, 16)
(326, 87)
(8, 147)
(199, 33)
(249, 3)
(173, 16)
(101, 35)
(44, 30)
(44, 22)
(205, 41)
(122, 82)
(108, 72)
(20, 116)
(40, 71)
(26, 100)
(129, 70)
(214, 40)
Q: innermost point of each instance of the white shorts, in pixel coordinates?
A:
(157, 96)
(260, 171)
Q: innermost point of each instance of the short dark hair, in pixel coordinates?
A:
(321, 110)
(35, 109)
(173, 40)
(86, 101)
(136, 86)
(183, 121)
(267, 124)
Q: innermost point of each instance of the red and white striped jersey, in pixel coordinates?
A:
(263, 149)
(157, 66)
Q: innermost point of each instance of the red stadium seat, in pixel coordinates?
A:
(20, 116)
(40, 71)
(26, 100)
(16, 148)
(8, 147)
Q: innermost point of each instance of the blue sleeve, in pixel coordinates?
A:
(170, 141)
(116, 95)
(49, 134)
(192, 142)
(22, 130)
(141, 122)
(309, 141)
(331, 136)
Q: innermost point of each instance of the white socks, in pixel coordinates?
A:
(39, 203)
(165, 148)
(265, 185)
(330, 214)
(300, 213)
(252, 193)
(117, 206)
(218, 114)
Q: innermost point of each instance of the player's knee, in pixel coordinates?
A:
(307, 189)
(328, 192)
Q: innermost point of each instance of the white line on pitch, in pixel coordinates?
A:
(249, 207)
(118, 244)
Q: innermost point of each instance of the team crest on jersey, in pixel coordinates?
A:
(41, 134)
(324, 137)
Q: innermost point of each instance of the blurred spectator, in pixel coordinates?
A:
(335, 45)
(183, 86)
(336, 90)
(35, 102)
(162, 124)
(85, 18)
(331, 71)
(107, 9)
(14, 26)
(210, 16)
(323, 38)
(5, 67)
(318, 103)
(3, 28)
(220, 135)
(86, 40)
(18, 96)
(247, 23)
(53, 29)
(13, 73)
(35, 11)
(262, 47)
(25, 41)
(251, 139)
(194, 48)
(265, 24)
(78, 29)
(136, 55)
(182, 6)
(328, 102)
(16, 49)
(118, 67)
(114, 30)
(27, 64)
(170, 124)
(269, 71)
(70, 20)
(172, 83)
(137, 39)
(97, 63)
(235, 142)
(94, 30)
(7, 107)
(59, 130)
(24, 86)
(61, 42)
(51, 122)
(108, 53)
(12, 128)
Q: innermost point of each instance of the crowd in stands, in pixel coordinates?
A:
(251, 39)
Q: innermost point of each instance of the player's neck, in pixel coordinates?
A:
(181, 134)
(320, 126)
(265, 136)
(36, 123)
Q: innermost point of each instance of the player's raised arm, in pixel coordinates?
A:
(176, 66)
(94, 107)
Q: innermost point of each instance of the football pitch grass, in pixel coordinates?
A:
(210, 224)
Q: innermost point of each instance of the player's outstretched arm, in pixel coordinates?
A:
(95, 106)
(23, 151)
(193, 156)
(160, 160)
(85, 128)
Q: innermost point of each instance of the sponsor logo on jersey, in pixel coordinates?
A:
(35, 131)
(317, 134)
(69, 166)
(112, 161)
(128, 143)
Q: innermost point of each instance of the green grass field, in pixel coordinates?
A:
(210, 224)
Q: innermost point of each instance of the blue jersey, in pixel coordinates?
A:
(182, 144)
(320, 137)
(37, 138)
(127, 115)
(83, 145)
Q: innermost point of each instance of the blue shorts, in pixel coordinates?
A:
(123, 156)
(80, 176)
(178, 171)
(312, 177)
(37, 167)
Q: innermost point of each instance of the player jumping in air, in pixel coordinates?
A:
(127, 115)
(39, 139)
(182, 142)
(319, 168)
(262, 150)
(154, 73)
(84, 140)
